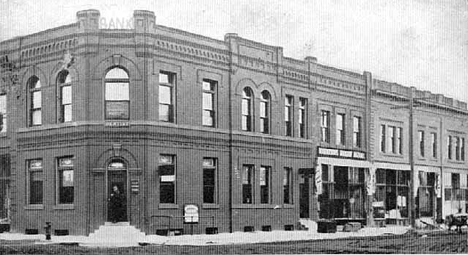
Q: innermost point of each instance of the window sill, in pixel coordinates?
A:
(210, 206)
(386, 154)
(34, 207)
(452, 161)
(64, 207)
(168, 206)
(288, 206)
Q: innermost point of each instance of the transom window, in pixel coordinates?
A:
(117, 95)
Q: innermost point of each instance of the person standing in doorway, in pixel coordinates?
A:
(116, 202)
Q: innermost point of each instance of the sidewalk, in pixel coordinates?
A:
(218, 239)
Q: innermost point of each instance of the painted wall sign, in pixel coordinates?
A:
(330, 152)
(117, 124)
(191, 213)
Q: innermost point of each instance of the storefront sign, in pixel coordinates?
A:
(117, 124)
(191, 214)
(330, 152)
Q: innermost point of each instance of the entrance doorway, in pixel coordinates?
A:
(117, 177)
(303, 196)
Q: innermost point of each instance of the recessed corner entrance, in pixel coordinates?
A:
(117, 191)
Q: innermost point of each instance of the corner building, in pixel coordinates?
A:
(255, 140)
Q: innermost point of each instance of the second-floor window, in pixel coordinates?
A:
(247, 110)
(383, 135)
(399, 140)
(421, 143)
(462, 152)
(209, 97)
(3, 113)
(357, 132)
(65, 96)
(302, 118)
(265, 113)
(457, 148)
(117, 95)
(391, 139)
(288, 113)
(340, 129)
(166, 96)
(35, 101)
(434, 144)
(325, 126)
(449, 147)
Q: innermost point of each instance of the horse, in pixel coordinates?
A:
(458, 220)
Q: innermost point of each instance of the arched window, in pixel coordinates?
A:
(265, 112)
(247, 109)
(117, 95)
(35, 101)
(65, 96)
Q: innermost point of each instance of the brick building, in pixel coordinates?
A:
(253, 139)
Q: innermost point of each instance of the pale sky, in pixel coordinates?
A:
(421, 43)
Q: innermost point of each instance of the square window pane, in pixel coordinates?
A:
(207, 101)
(263, 109)
(245, 107)
(67, 178)
(67, 113)
(208, 86)
(165, 95)
(37, 117)
(36, 100)
(208, 118)
(117, 91)
(3, 104)
(117, 110)
(165, 113)
(66, 95)
(163, 78)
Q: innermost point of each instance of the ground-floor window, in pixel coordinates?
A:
(5, 191)
(343, 193)
(36, 179)
(425, 199)
(456, 193)
(209, 180)
(65, 180)
(392, 190)
(167, 179)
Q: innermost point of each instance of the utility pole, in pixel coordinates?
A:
(412, 210)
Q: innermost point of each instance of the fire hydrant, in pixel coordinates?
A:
(48, 228)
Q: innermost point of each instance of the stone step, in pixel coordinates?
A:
(120, 234)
